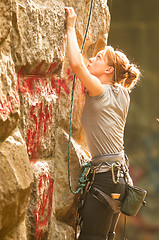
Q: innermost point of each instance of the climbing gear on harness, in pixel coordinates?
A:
(116, 166)
(106, 162)
(82, 181)
(115, 195)
(81, 186)
(133, 201)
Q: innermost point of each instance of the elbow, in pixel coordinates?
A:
(76, 63)
(75, 66)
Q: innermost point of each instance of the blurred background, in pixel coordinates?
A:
(135, 30)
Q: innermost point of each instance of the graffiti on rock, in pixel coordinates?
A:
(35, 89)
(39, 91)
(34, 86)
(7, 107)
(36, 83)
(42, 214)
(41, 122)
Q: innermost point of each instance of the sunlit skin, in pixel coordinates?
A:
(97, 72)
(98, 67)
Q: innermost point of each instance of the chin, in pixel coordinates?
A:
(89, 70)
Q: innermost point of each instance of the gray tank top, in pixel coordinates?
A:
(103, 119)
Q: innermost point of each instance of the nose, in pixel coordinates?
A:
(91, 60)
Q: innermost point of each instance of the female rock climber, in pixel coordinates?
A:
(107, 78)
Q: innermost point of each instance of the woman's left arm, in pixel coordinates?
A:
(92, 83)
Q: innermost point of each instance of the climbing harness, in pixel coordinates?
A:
(82, 181)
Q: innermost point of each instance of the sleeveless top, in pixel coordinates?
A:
(103, 120)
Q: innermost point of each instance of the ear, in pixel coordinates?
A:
(109, 70)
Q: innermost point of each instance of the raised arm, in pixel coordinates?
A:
(91, 83)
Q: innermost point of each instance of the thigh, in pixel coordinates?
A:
(96, 217)
(99, 219)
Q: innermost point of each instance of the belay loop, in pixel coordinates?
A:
(82, 180)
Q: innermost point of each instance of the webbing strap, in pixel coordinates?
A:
(125, 238)
(82, 179)
(106, 199)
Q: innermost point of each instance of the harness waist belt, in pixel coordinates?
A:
(109, 158)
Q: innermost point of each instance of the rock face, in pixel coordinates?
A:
(15, 184)
(35, 90)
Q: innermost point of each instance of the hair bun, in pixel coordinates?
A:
(132, 76)
(125, 73)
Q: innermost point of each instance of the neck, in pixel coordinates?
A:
(106, 80)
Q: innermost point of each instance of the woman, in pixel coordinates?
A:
(107, 79)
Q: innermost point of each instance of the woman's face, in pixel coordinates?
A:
(97, 65)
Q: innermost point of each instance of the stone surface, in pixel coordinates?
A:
(35, 91)
(37, 27)
(19, 232)
(9, 98)
(5, 16)
(63, 208)
(15, 184)
(41, 201)
(60, 230)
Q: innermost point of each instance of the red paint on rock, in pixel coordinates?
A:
(42, 119)
(7, 107)
(29, 84)
(42, 214)
(33, 85)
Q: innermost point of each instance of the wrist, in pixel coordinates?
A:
(70, 28)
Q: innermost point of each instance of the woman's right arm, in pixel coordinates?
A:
(92, 83)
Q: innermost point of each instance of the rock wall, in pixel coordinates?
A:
(35, 90)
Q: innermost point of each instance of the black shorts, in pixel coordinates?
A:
(98, 219)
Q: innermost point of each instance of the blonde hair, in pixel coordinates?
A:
(125, 73)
